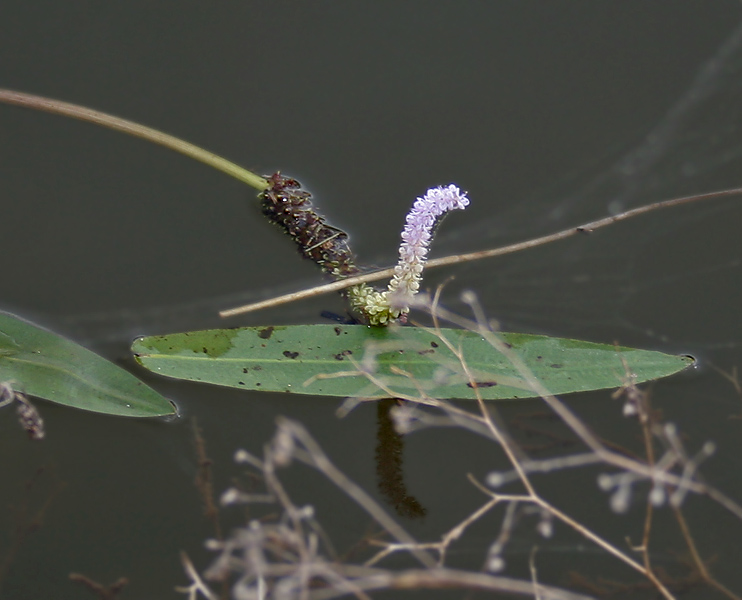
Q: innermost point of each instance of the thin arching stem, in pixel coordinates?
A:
(75, 111)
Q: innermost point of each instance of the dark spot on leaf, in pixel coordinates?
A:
(212, 343)
(431, 351)
(539, 358)
(338, 331)
(556, 366)
(241, 382)
(343, 354)
(257, 368)
(257, 385)
(433, 344)
(289, 354)
(244, 370)
(482, 384)
(508, 346)
(265, 333)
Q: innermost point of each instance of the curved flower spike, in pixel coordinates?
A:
(382, 307)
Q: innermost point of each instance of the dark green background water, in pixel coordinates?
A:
(548, 113)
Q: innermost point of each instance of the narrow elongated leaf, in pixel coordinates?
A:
(49, 366)
(328, 360)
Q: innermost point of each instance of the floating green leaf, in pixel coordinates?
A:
(49, 366)
(328, 360)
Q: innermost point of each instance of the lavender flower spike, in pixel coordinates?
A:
(416, 238)
(382, 307)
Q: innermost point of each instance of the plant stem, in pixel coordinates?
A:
(75, 111)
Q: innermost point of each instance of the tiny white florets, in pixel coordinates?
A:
(382, 307)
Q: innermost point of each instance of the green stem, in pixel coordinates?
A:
(146, 133)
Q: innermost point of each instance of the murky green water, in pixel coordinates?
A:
(549, 114)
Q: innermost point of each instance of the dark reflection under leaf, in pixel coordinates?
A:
(390, 464)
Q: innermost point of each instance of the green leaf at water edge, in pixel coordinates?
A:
(288, 359)
(46, 365)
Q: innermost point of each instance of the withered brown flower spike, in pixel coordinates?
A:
(289, 206)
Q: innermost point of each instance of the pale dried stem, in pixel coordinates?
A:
(480, 327)
(534, 574)
(696, 557)
(442, 546)
(510, 449)
(316, 457)
(521, 465)
(454, 259)
(197, 584)
(437, 579)
(606, 455)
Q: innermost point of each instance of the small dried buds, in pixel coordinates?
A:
(28, 416)
(381, 307)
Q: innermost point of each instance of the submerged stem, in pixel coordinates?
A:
(75, 111)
